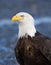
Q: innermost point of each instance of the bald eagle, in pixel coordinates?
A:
(32, 47)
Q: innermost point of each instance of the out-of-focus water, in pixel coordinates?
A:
(37, 8)
(8, 38)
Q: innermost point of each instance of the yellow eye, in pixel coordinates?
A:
(22, 15)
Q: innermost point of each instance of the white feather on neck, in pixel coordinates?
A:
(27, 28)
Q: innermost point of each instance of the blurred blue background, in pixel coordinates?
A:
(39, 9)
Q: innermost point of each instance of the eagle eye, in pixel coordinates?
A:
(22, 15)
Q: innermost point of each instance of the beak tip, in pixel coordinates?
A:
(12, 19)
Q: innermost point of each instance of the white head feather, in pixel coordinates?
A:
(26, 25)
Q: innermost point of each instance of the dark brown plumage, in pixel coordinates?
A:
(33, 51)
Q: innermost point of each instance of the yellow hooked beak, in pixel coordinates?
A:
(17, 18)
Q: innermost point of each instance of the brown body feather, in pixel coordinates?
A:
(33, 51)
